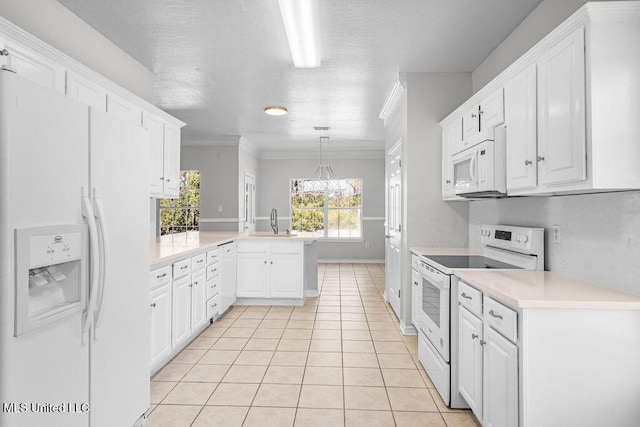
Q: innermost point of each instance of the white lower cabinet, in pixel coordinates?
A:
(488, 363)
(228, 275)
(198, 301)
(470, 374)
(160, 322)
(270, 269)
(181, 316)
(500, 375)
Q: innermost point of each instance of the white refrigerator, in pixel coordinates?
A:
(74, 254)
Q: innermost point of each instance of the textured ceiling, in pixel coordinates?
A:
(217, 63)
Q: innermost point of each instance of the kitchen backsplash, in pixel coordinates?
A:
(599, 233)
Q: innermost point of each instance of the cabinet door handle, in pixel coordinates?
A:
(4, 52)
(183, 267)
(448, 181)
(271, 262)
(153, 305)
(474, 336)
(527, 162)
(415, 283)
(466, 296)
(540, 158)
(160, 276)
(497, 316)
(265, 262)
(168, 179)
(482, 342)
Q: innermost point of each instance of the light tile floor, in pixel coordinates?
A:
(338, 360)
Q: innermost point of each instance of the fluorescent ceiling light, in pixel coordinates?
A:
(276, 111)
(301, 23)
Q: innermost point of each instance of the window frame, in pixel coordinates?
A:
(325, 209)
(182, 228)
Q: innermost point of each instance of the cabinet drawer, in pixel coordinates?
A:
(181, 268)
(254, 246)
(213, 307)
(212, 257)
(471, 298)
(501, 318)
(213, 271)
(286, 248)
(198, 262)
(160, 277)
(213, 287)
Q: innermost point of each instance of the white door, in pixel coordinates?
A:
(470, 360)
(34, 67)
(561, 112)
(500, 390)
(160, 323)
(520, 112)
(492, 110)
(253, 279)
(44, 164)
(286, 276)
(470, 124)
(155, 126)
(393, 267)
(122, 319)
(249, 203)
(181, 316)
(171, 161)
(198, 299)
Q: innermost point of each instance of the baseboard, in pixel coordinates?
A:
(408, 329)
(311, 293)
(384, 295)
(350, 261)
(268, 301)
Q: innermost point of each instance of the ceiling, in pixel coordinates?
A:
(218, 63)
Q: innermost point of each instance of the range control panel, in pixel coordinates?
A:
(521, 239)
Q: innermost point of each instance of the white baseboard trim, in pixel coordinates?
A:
(350, 261)
(384, 295)
(269, 301)
(311, 293)
(408, 329)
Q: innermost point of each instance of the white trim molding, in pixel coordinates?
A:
(219, 219)
(393, 100)
(408, 329)
(350, 261)
(311, 293)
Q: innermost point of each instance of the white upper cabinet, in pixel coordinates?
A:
(33, 66)
(86, 91)
(520, 118)
(561, 112)
(570, 107)
(171, 160)
(123, 109)
(451, 138)
(155, 126)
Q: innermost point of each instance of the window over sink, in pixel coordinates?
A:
(330, 209)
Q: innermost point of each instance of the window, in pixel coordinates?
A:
(327, 208)
(182, 215)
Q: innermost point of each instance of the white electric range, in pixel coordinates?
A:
(435, 297)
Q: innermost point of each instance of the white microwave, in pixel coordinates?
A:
(479, 171)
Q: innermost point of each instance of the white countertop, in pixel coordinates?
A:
(445, 251)
(546, 289)
(169, 248)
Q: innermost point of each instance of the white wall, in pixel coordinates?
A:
(218, 166)
(599, 233)
(272, 190)
(56, 25)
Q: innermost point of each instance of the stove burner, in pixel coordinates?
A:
(473, 261)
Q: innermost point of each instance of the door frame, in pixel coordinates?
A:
(249, 214)
(393, 235)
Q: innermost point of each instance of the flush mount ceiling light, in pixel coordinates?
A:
(276, 111)
(301, 23)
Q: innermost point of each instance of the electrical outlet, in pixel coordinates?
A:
(219, 208)
(556, 234)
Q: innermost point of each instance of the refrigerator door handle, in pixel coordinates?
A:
(104, 258)
(87, 213)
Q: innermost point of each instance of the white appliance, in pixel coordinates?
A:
(435, 290)
(74, 262)
(480, 171)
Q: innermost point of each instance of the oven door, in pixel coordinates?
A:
(431, 307)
